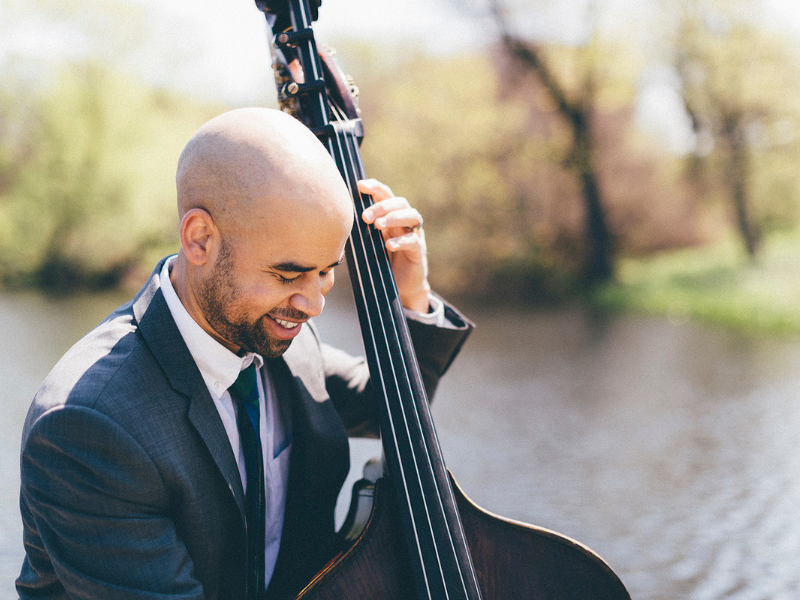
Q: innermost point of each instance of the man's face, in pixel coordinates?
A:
(262, 288)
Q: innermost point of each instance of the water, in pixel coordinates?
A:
(671, 449)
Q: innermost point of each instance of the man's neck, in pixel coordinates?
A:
(179, 276)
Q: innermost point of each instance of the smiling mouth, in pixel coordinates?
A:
(285, 324)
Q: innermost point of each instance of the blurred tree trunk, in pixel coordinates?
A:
(733, 136)
(580, 160)
(727, 127)
(736, 85)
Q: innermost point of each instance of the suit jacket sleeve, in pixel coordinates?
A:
(347, 377)
(100, 508)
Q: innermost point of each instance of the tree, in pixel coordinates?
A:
(485, 167)
(734, 82)
(577, 107)
(87, 177)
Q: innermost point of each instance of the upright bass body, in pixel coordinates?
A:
(513, 561)
(424, 539)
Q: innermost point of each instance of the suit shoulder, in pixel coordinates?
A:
(81, 375)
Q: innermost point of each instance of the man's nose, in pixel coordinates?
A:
(310, 300)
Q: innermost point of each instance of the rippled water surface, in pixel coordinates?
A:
(673, 450)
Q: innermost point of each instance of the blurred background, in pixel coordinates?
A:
(610, 190)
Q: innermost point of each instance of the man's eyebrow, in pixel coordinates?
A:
(292, 267)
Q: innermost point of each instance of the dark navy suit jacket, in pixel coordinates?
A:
(129, 486)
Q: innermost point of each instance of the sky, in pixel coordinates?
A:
(231, 35)
(217, 49)
(377, 21)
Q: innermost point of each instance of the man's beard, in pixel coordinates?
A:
(217, 299)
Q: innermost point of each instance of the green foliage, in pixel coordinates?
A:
(485, 167)
(438, 134)
(87, 169)
(739, 85)
(88, 177)
(716, 284)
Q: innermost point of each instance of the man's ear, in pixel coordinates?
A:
(199, 235)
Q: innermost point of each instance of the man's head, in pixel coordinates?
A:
(264, 219)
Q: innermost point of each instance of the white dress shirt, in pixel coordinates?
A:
(220, 367)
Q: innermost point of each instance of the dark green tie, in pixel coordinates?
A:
(244, 392)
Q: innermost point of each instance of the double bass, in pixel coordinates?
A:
(423, 539)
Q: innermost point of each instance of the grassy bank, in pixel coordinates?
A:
(717, 284)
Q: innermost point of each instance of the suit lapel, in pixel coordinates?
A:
(164, 340)
(314, 418)
(319, 463)
(205, 418)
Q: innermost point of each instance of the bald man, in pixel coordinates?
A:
(134, 469)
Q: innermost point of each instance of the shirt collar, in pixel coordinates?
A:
(219, 366)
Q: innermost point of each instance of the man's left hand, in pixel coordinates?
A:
(401, 225)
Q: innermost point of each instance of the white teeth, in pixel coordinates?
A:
(286, 324)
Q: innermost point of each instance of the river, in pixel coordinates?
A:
(670, 448)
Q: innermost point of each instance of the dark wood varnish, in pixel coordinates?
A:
(377, 564)
(513, 560)
(519, 561)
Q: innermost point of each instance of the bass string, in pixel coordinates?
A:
(375, 248)
(388, 282)
(352, 174)
(376, 320)
(357, 244)
(418, 410)
(373, 241)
